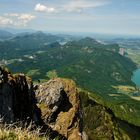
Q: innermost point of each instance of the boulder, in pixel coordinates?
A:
(60, 106)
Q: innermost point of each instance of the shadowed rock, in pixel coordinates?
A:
(17, 98)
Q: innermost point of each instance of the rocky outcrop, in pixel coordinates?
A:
(57, 99)
(60, 106)
(17, 98)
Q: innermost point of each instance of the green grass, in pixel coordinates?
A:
(123, 106)
(12, 132)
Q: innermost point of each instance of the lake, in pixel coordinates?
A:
(136, 77)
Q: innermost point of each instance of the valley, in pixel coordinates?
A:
(98, 69)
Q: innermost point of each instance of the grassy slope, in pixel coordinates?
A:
(100, 122)
(134, 55)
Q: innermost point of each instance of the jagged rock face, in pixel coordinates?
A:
(17, 98)
(60, 106)
(49, 94)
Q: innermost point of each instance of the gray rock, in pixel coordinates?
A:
(50, 93)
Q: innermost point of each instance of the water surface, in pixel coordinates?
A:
(136, 77)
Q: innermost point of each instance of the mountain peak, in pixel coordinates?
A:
(5, 34)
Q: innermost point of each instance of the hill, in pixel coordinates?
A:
(100, 122)
(5, 34)
(86, 61)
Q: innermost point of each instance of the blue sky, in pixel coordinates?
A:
(93, 16)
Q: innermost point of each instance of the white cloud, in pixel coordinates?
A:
(51, 10)
(27, 17)
(5, 21)
(40, 8)
(15, 19)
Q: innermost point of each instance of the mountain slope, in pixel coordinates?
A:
(100, 123)
(5, 34)
(86, 61)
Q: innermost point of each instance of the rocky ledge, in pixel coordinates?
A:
(54, 104)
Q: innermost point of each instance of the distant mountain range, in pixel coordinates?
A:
(17, 30)
(5, 34)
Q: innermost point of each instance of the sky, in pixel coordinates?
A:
(90, 16)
